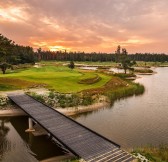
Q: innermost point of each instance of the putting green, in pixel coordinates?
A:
(59, 78)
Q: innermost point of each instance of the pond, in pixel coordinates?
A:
(88, 68)
(138, 120)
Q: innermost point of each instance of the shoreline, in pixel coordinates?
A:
(70, 111)
(146, 73)
(12, 113)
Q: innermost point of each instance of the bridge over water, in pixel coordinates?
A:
(78, 139)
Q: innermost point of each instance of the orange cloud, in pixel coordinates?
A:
(90, 26)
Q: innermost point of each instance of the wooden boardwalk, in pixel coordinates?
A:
(77, 138)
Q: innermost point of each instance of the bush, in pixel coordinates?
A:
(38, 97)
(3, 100)
(145, 70)
(56, 100)
(71, 65)
(87, 100)
(122, 75)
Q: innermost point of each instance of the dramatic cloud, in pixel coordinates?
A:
(87, 25)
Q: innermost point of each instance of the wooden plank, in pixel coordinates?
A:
(126, 157)
(129, 159)
(101, 156)
(114, 156)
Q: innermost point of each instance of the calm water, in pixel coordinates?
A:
(18, 146)
(88, 68)
(136, 121)
(131, 122)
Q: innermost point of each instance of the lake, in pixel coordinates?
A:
(130, 122)
(138, 120)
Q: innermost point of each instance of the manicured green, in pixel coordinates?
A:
(59, 78)
(90, 80)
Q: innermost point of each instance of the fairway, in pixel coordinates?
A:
(59, 78)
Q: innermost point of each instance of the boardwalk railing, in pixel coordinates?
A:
(78, 139)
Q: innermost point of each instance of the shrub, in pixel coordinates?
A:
(56, 100)
(38, 97)
(145, 70)
(122, 75)
(155, 154)
(131, 89)
(71, 65)
(3, 100)
(87, 100)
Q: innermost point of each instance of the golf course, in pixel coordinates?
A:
(58, 78)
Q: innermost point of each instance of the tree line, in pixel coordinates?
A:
(74, 56)
(13, 54)
(102, 57)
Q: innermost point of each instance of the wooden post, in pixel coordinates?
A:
(30, 129)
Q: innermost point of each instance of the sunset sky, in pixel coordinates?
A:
(87, 25)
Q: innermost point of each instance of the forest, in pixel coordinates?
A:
(102, 57)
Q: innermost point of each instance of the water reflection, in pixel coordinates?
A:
(88, 68)
(116, 70)
(3, 129)
(18, 146)
(3, 132)
(85, 114)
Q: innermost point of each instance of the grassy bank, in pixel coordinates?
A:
(144, 70)
(154, 154)
(131, 89)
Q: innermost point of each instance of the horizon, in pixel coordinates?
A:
(89, 26)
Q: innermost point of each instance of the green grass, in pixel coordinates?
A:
(59, 78)
(90, 80)
(7, 87)
(154, 154)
